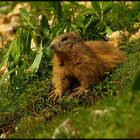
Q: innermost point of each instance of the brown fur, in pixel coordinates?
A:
(85, 61)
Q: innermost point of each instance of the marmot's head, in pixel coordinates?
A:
(65, 42)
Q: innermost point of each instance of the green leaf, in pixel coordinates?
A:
(88, 23)
(88, 11)
(35, 65)
(79, 21)
(26, 17)
(27, 43)
(5, 75)
(108, 30)
(17, 47)
(57, 9)
(107, 6)
(14, 51)
(57, 29)
(44, 22)
(44, 29)
(96, 8)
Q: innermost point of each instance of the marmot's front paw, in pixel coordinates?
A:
(55, 95)
(77, 92)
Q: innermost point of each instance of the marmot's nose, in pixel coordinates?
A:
(55, 44)
(52, 46)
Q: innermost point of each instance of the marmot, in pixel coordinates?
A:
(85, 61)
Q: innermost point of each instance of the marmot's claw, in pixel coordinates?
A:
(76, 89)
(54, 96)
(77, 92)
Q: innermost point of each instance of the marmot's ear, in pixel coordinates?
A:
(78, 39)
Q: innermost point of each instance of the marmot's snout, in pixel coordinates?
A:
(52, 46)
(55, 44)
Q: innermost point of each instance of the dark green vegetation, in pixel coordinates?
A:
(112, 107)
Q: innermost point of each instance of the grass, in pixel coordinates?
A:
(102, 115)
(111, 110)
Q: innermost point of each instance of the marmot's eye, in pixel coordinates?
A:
(75, 38)
(64, 39)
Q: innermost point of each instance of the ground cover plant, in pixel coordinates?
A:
(110, 110)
